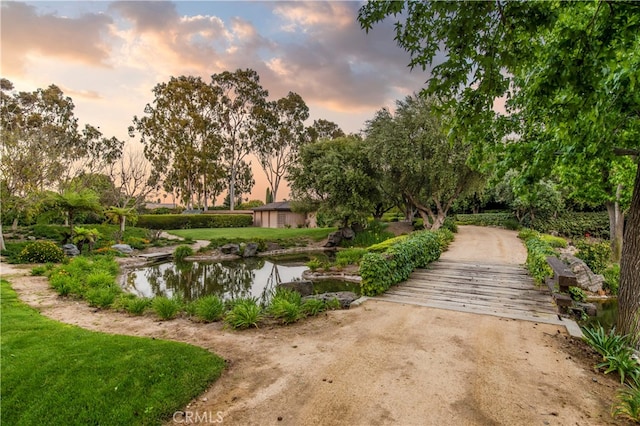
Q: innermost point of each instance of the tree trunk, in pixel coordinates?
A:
(232, 190)
(2, 246)
(14, 225)
(616, 227)
(123, 220)
(629, 296)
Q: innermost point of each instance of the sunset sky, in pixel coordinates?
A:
(108, 56)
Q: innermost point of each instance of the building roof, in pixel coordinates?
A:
(279, 206)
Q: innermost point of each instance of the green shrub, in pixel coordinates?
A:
(487, 219)
(182, 251)
(209, 308)
(445, 237)
(628, 403)
(379, 271)
(50, 232)
(137, 242)
(137, 305)
(102, 297)
(526, 233)
(65, 285)
(617, 355)
(285, 310)
(313, 307)
(596, 255)
(189, 221)
(375, 233)
(384, 245)
(350, 256)
(553, 241)
(577, 294)
(313, 264)
(244, 313)
(165, 307)
(39, 271)
(450, 224)
(333, 304)
(42, 252)
(537, 252)
(100, 279)
(576, 225)
(612, 278)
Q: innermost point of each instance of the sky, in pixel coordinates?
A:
(108, 56)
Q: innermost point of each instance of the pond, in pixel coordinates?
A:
(254, 277)
(607, 311)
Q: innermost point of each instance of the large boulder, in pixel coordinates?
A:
(305, 288)
(348, 233)
(122, 248)
(250, 250)
(230, 249)
(344, 297)
(334, 238)
(70, 250)
(586, 279)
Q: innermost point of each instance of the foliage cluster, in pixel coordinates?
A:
(505, 220)
(379, 271)
(617, 353)
(93, 279)
(537, 252)
(553, 241)
(42, 252)
(576, 224)
(597, 255)
(374, 233)
(350, 256)
(182, 251)
(186, 221)
(612, 278)
(577, 294)
(92, 376)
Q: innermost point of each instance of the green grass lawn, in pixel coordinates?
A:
(316, 234)
(54, 373)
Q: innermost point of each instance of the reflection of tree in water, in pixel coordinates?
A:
(272, 282)
(228, 280)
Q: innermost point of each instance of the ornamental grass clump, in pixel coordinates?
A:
(165, 307)
(208, 308)
(182, 251)
(244, 313)
(286, 305)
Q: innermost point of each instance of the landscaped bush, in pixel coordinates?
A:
(612, 278)
(576, 225)
(182, 251)
(350, 256)
(83, 275)
(537, 252)
(596, 255)
(383, 246)
(186, 221)
(165, 307)
(313, 307)
(379, 271)
(286, 305)
(505, 220)
(208, 308)
(244, 313)
(553, 241)
(628, 404)
(616, 351)
(42, 252)
(375, 233)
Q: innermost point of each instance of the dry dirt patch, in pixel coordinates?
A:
(380, 363)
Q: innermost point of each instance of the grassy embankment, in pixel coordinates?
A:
(316, 234)
(54, 373)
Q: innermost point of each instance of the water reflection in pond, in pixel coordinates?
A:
(228, 280)
(607, 312)
(255, 277)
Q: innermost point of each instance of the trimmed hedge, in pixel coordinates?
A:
(506, 220)
(379, 271)
(537, 251)
(576, 225)
(187, 221)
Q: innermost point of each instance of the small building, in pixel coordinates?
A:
(279, 215)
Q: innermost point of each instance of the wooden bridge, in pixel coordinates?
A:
(504, 290)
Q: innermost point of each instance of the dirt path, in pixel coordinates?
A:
(380, 363)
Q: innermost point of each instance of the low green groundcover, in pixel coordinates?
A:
(54, 373)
